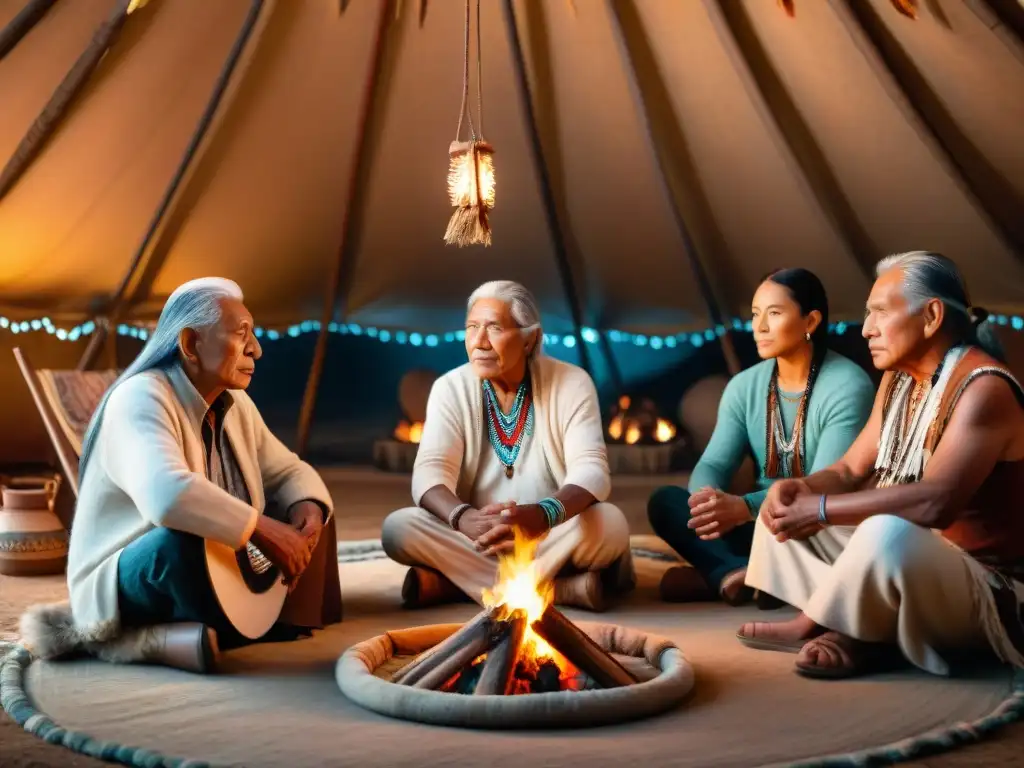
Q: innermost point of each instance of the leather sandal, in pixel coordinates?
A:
(770, 644)
(856, 657)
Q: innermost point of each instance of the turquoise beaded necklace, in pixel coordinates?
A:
(507, 433)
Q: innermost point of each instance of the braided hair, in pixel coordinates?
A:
(807, 291)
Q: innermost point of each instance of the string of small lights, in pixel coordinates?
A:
(418, 339)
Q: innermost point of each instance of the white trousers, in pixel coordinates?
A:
(886, 580)
(591, 541)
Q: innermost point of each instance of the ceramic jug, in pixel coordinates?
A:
(33, 541)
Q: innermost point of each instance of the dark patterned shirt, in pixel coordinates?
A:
(221, 465)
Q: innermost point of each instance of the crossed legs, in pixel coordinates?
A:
(886, 584)
(592, 541)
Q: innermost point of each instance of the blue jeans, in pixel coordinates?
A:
(162, 578)
(668, 510)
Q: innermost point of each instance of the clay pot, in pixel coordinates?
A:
(32, 540)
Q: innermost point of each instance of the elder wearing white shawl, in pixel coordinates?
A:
(511, 439)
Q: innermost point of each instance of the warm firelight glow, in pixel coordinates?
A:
(519, 587)
(631, 425)
(664, 431)
(409, 433)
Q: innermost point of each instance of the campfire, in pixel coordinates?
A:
(407, 432)
(631, 424)
(520, 644)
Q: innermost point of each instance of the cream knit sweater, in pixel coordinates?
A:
(148, 469)
(567, 428)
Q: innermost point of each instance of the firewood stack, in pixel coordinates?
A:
(500, 636)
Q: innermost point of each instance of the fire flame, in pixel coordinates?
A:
(519, 587)
(664, 431)
(628, 428)
(632, 434)
(409, 433)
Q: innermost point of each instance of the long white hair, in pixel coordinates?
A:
(521, 303)
(196, 304)
(928, 275)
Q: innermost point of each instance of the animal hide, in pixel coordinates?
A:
(48, 631)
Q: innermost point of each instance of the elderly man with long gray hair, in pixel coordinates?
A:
(177, 454)
(513, 440)
(912, 544)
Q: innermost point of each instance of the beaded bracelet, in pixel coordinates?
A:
(821, 511)
(554, 510)
(455, 514)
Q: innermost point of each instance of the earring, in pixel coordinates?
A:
(807, 335)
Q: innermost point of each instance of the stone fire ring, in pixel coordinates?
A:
(364, 671)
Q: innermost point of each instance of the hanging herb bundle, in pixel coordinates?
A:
(471, 163)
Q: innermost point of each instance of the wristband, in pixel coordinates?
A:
(554, 511)
(821, 510)
(455, 514)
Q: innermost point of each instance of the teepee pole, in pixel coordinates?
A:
(116, 305)
(342, 267)
(1010, 14)
(981, 181)
(22, 24)
(544, 182)
(669, 181)
(782, 116)
(48, 120)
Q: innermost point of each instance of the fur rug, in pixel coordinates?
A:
(48, 632)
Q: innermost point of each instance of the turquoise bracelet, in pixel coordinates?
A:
(554, 510)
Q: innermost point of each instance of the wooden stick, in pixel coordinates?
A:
(151, 253)
(338, 282)
(557, 229)
(676, 172)
(496, 677)
(573, 643)
(48, 120)
(22, 24)
(481, 640)
(423, 663)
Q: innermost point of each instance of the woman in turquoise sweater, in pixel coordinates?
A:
(794, 413)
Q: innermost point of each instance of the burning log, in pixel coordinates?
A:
(496, 678)
(414, 671)
(573, 643)
(480, 641)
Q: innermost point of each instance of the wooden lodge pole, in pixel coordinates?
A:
(353, 202)
(172, 195)
(666, 174)
(22, 24)
(544, 182)
(50, 118)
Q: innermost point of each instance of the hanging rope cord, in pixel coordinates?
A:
(465, 113)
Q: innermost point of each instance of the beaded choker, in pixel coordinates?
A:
(507, 432)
